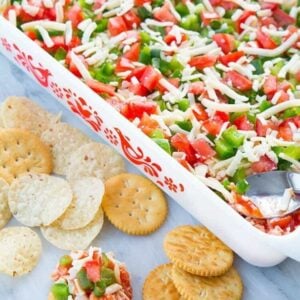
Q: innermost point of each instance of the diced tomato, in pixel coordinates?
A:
(265, 164)
(141, 2)
(97, 4)
(181, 143)
(284, 129)
(284, 86)
(203, 61)
(212, 127)
(203, 149)
(265, 40)
(231, 57)
(75, 15)
(150, 78)
(138, 89)
(208, 17)
(59, 42)
(222, 116)
(148, 125)
(298, 76)
(199, 112)
(173, 81)
(242, 123)
(267, 21)
(196, 88)
(250, 209)
(48, 14)
(262, 129)
(116, 25)
(269, 5)
(169, 38)
(131, 19)
(283, 222)
(282, 18)
(75, 41)
(123, 64)
(72, 66)
(284, 96)
(136, 109)
(228, 5)
(270, 85)
(100, 87)
(32, 35)
(238, 81)
(225, 41)
(137, 73)
(133, 53)
(164, 14)
(242, 19)
(92, 270)
(285, 132)
(125, 282)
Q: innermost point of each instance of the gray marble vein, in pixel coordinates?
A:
(140, 253)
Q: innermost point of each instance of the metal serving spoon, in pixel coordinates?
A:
(269, 192)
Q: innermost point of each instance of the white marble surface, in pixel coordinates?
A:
(140, 253)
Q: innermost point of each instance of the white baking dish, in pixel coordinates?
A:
(251, 244)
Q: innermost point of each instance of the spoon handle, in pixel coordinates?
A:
(294, 180)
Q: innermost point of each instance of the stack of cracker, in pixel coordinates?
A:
(200, 269)
(51, 176)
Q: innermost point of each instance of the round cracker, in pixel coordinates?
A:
(5, 213)
(63, 140)
(197, 251)
(134, 204)
(39, 199)
(78, 239)
(87, 198)
(21, 112)
(159, 285)
(97, 160)
(20, 250)
(192, 287)
(21, 152)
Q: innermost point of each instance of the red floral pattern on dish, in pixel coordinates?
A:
(79, 106)
(39, 72)
(6, 44)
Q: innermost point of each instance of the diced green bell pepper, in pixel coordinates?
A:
(145, 37)
(242, 186)
(155, 53)
(233, 137)
(83, 280)
(291, 112)
(185, 125)
(224, 149)
(191, 22)
(182, 9)
(144, 13)
(60, 54)
(157, 134)
(265, 105)
(101, 25)
(164, 144)
(292, 151)
(277, 67)
(226, 183)
(60, 291)
(257, 63)
(239, 175)
(215, 24)
(175, 64)
(183, 104)
(99, 289)
(145, 55)
(108, 276)
(65, 261)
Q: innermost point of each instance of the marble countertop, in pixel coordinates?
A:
(141, 254)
